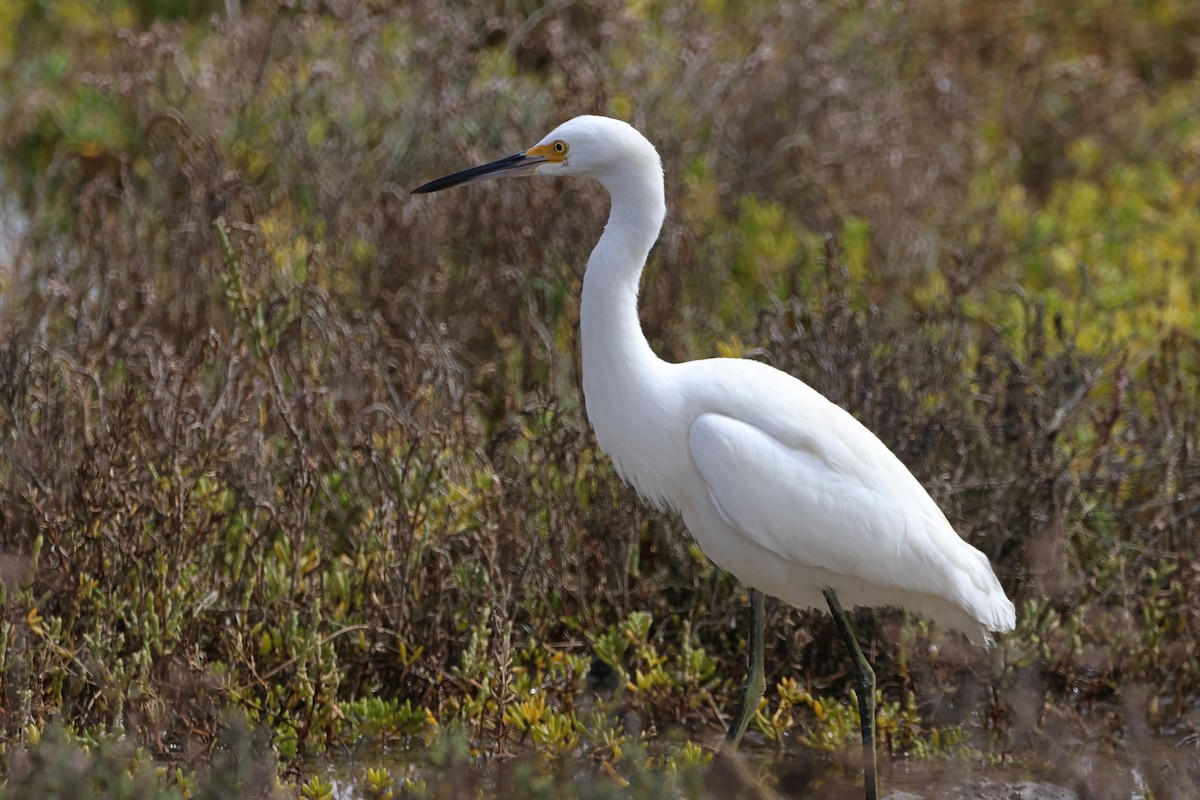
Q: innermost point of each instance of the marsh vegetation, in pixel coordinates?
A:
(294, 467)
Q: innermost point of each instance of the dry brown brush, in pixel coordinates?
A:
(275, 434)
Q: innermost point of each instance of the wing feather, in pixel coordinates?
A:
(836, 498)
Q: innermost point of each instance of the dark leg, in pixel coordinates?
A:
(865, 686)
(752, 692)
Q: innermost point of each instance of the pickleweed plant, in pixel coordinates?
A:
(279, 443)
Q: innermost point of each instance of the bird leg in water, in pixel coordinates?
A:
(752, 692)
(865, 685)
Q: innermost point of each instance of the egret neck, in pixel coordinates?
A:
(618, 363)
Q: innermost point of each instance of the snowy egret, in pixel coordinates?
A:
(777, 484)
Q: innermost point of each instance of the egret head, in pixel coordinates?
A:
(598, 147)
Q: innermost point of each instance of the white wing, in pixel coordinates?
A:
(820, 490)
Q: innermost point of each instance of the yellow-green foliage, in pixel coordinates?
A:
(1113, 250)
(279, 439)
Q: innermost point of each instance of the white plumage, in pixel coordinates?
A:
(778, 485)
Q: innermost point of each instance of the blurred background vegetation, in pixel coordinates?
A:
(294, 463)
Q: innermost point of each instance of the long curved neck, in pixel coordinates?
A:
(614, 347)
(622, 378)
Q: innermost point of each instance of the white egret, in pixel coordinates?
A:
(777, 484)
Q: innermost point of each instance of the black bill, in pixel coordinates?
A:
(519, 164)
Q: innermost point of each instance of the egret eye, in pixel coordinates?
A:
(560, 147)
